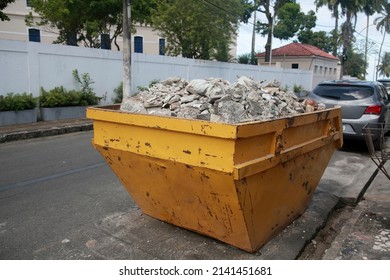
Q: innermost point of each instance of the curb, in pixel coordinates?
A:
(42, 132)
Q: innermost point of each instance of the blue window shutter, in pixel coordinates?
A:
(105, 42)
(138, 44)
(34, 35)
(161, 44)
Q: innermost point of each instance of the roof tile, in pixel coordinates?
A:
(298, 49)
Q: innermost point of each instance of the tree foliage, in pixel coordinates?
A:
(85, 20)
(355, 64)
(199, 29)
(383, 24)
(3, 4)
(284, 17)
(291, 20)
(384, 65)
(320, 39)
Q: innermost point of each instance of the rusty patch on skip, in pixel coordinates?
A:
(148, 144)
(208, 155)
(187, 152)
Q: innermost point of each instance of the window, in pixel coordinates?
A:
(105, 42)
(343, 92)
(295, 66)
(326, 70)
(34, 35)
(383, 92)
(321, 69)
(28, 3)
(315, 68)
(138, 44)
(161, 44)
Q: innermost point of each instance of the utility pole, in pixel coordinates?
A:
(253, 38)
(126, 48)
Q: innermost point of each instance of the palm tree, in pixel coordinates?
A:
(369, 8)
(384, 66)
(382, 24)
(333, 6)
(348, 8)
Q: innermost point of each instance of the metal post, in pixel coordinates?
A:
(126, 48)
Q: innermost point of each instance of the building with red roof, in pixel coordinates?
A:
(304, 57)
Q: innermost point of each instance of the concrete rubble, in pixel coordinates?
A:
(218, 100)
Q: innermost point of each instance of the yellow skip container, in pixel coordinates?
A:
(241, 184)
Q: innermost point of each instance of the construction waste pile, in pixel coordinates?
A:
(217, 100)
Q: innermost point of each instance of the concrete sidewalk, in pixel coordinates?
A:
(350, 179)
(41, 129)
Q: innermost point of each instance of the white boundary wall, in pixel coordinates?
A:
(28, 66)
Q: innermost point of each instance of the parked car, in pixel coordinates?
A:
(361, 102)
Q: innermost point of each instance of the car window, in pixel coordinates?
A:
(383, 93)
(343, 92)
(385, 83)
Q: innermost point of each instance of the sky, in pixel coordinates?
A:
(325, 22)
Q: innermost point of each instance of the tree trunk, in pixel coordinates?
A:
(71, 39)
(366, 47)
(336, 28)
(126, 48)
(268, 45)
(346, 43)
(379, 56)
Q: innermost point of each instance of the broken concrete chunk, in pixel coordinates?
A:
(198, 86)
(217, 100)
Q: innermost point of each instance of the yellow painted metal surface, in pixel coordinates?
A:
(241, 184)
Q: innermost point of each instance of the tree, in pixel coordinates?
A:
(383, 24)
(369, 8)
(320, 39)
(265, 7)
(283, 22)
(355, 65)
(333, 6)
(85, 20)
(3, 4)
(198, 29)
(349, 8)
(384, 66)
(67, 16)
(290, 20)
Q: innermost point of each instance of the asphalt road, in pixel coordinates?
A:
(60, 200)
(53, 191)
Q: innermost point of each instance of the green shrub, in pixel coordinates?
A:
(298, 88)
(17, 102)
(60, 97)
(118, 94)
(88, 96)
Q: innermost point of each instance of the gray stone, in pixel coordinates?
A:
(198, 86)
(217, 100)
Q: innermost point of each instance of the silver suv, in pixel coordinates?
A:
(361, 102)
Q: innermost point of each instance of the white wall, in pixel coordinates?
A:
(28, 66)
(148, 67)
